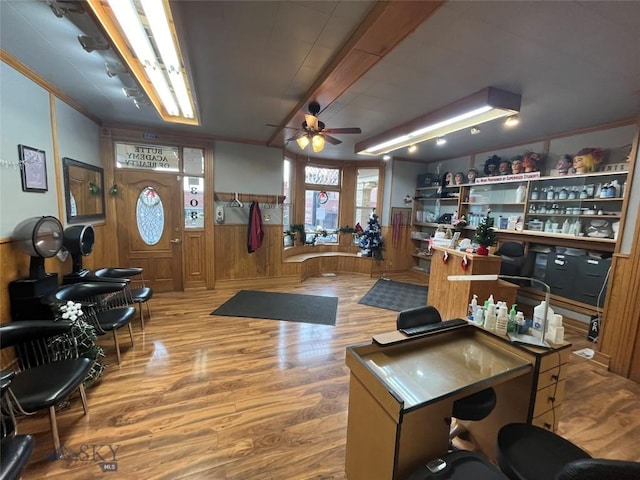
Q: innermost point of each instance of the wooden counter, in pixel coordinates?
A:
(401, 395)
(452, 298)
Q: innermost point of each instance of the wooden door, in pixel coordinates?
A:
(150, 225)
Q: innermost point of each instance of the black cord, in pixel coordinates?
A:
(555, 391)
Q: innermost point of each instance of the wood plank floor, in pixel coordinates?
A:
(208, 397)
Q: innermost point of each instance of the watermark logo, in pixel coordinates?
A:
(103, 455)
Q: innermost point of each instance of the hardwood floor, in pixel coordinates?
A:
(208, 397)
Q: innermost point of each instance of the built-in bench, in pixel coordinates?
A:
(314, 261)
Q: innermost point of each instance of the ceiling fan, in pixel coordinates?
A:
(313, 131)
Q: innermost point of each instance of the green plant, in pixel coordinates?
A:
(485, 234)
(346, 229)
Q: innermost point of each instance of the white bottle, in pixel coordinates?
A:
(502, 321)
(520, 193)
(473, 306)
(478, 318)
(539, 320)
(490, 318)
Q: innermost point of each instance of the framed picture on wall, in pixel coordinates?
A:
(33, 169)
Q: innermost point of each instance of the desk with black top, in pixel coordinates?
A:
(402, 391)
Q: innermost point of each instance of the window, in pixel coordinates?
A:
(287, 191)
(193, 190)
(150, 215)
(366, 194)
(322, 202)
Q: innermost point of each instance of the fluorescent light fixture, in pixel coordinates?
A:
(483, 106)
(441, 141)
(147, 44)
(532, 340)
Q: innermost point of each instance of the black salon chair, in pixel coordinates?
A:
(472, 408)
(528, 452)
(14, 455)
(50, 369)
(140, 293)
(105, 305)
(513, 258)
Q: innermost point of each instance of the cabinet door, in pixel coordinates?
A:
(560, 274)
(590, 284)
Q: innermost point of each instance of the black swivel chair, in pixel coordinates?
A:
(49, 371)
(105, 305)
(528, 452)
(513, 258)
(140, 293)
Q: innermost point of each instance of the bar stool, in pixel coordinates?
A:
(472, 408)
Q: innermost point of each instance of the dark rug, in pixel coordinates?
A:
(396, 296)
(289, 307)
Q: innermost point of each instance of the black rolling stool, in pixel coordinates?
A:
(527, 452)
(472, 408)
(458, 465)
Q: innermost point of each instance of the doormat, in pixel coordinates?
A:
(290, 307)
(396, 296)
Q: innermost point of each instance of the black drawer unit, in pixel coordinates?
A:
(592, 273)
(561, 274)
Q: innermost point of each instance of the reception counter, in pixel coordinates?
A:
(402, 391)
(452, 298)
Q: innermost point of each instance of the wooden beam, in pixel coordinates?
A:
(386, 25)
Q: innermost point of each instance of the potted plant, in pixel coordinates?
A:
(485, 235)
(298, 231)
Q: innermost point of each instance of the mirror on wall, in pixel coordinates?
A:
(83, 191)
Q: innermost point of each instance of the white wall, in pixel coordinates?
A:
(25, 119)
(402, 182)
(247, 169)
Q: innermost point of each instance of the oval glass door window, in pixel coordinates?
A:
(150, 215)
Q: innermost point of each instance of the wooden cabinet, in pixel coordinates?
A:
(588, 205)
(402, 391)
(433, 206)
(452, 298)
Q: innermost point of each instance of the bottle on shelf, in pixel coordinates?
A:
(563, 194)
(550, 193)
(584, 193)
(590, 190)
(604, 191)
(520, 193)
(535, 195)
(573, 194)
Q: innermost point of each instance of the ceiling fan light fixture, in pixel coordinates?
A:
(317, 143)
(483, 106)
(302, 141)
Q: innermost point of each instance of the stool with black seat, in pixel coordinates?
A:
(472, 408)
(458, 465)
(528, 452)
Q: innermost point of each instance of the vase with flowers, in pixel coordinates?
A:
(485, 235)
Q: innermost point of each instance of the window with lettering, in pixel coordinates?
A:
(147, 157)
(193, 194)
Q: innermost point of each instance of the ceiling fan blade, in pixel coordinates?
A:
(312, 121)
(281, 126)
(331, 140)
(296, 136)
(343, 130)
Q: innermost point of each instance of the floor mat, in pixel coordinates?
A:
(289, 307)
(396, 296)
